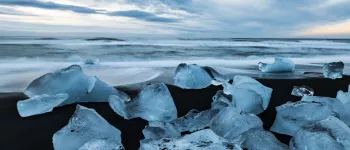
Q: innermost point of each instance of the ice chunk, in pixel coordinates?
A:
(218, 78)
(259, 139)
(248, 94)
(333, 70)
(344, 97)
(85, 128)
(231, 122)
(92, 61)
(327, 134)
(101, 144)
(221, 100)
(200, 140)
(40, 104)
(280, 65)
(153, 103)
(291, 117)
(336, 105)
(302, 91)
(159, 130)
(191, 77)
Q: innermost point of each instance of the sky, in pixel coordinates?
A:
(176, 18)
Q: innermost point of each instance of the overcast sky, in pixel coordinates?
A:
(176, 18)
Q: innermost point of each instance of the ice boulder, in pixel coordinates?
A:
(302, 91)
(217, 78)
(327, 134)
(200, 140)
(159, 130)
(231, 122)
(87, 129)
(191, 77)
(333, 70)
(248, 94)
(280, 65)
(221, 100)
(153, 103)
(259, 139)
(292, 116)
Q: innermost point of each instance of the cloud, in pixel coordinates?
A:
(142, 15)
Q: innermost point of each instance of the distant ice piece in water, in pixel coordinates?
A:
(231, 122)
(221, 100)
(333, 70)
(40, 104)
(74, 58)
(72, 81)
(292, 116)
(92, 61)
(87, 129)
(248, 94)
(191, 77)
(200, 140)
(344, 97)
(327, 134)
(153, 103)
(302, 91)
(280, 65)
(259, 139)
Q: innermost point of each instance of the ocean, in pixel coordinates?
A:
(126, 61)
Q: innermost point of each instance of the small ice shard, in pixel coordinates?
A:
(40, 104)
(159, 130)
(200, 140)
(153, 103)
(248, 94)
(259, 139)
(327, 134)
(218, 78)
(344, 97)
(85, 128)
(231, 122)
(291, 117)
(221, 100)
(101, 144)
(335, 104)
(333, 70)
(92, 61)
(280, 65)
(191, 77)
(302, 91)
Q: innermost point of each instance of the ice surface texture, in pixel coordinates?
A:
(302, 91)
(71, 81)
(344, 97)
(221, 100)
(327, 134)
(291, 117)
(153, 103)
(200, 140)
(248, 94)
(87, 129)
(333, 70)
(280, 65)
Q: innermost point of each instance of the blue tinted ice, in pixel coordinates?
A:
(327, 134)
(280, 65)
(333, 70)
(221, 100)
(101, 144)
(344, 97)
(302, 91)
(191, 77)
(86, 128)
(92, 61)
(217, 78)
(153, 103)
(159, 130)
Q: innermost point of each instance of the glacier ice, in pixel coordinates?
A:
(85, 129)
(344, 97)
(231, 122)
(153, 103)
(302, 91)
(159, 130)
(200, 140)
(333, 70)
(292, 116)
(40, 104)
(335, 104)
(259, 139)
(101, 144)
(217, 78)
(280, 65)
(191, 77)
(327, 134)
(221, 100)
(248, 94)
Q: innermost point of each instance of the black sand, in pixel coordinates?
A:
(33, 133)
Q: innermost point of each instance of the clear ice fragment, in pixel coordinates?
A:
(280, 65)
(159, 130)
(302, 91)
(101, 144)
(333, 70)
(221, 100)
(191, 77)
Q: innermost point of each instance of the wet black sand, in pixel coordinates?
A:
(33, 133)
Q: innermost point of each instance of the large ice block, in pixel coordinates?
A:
(327, 134)
(159, 130)
(248, 94)
(40, 104)
(231, 122)
(333, 70)
(292, 116)
(153, 103)
(85, 128)
(200, 140)
(191, 77)
(280, 65)
(221, 100)
(302, 91)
